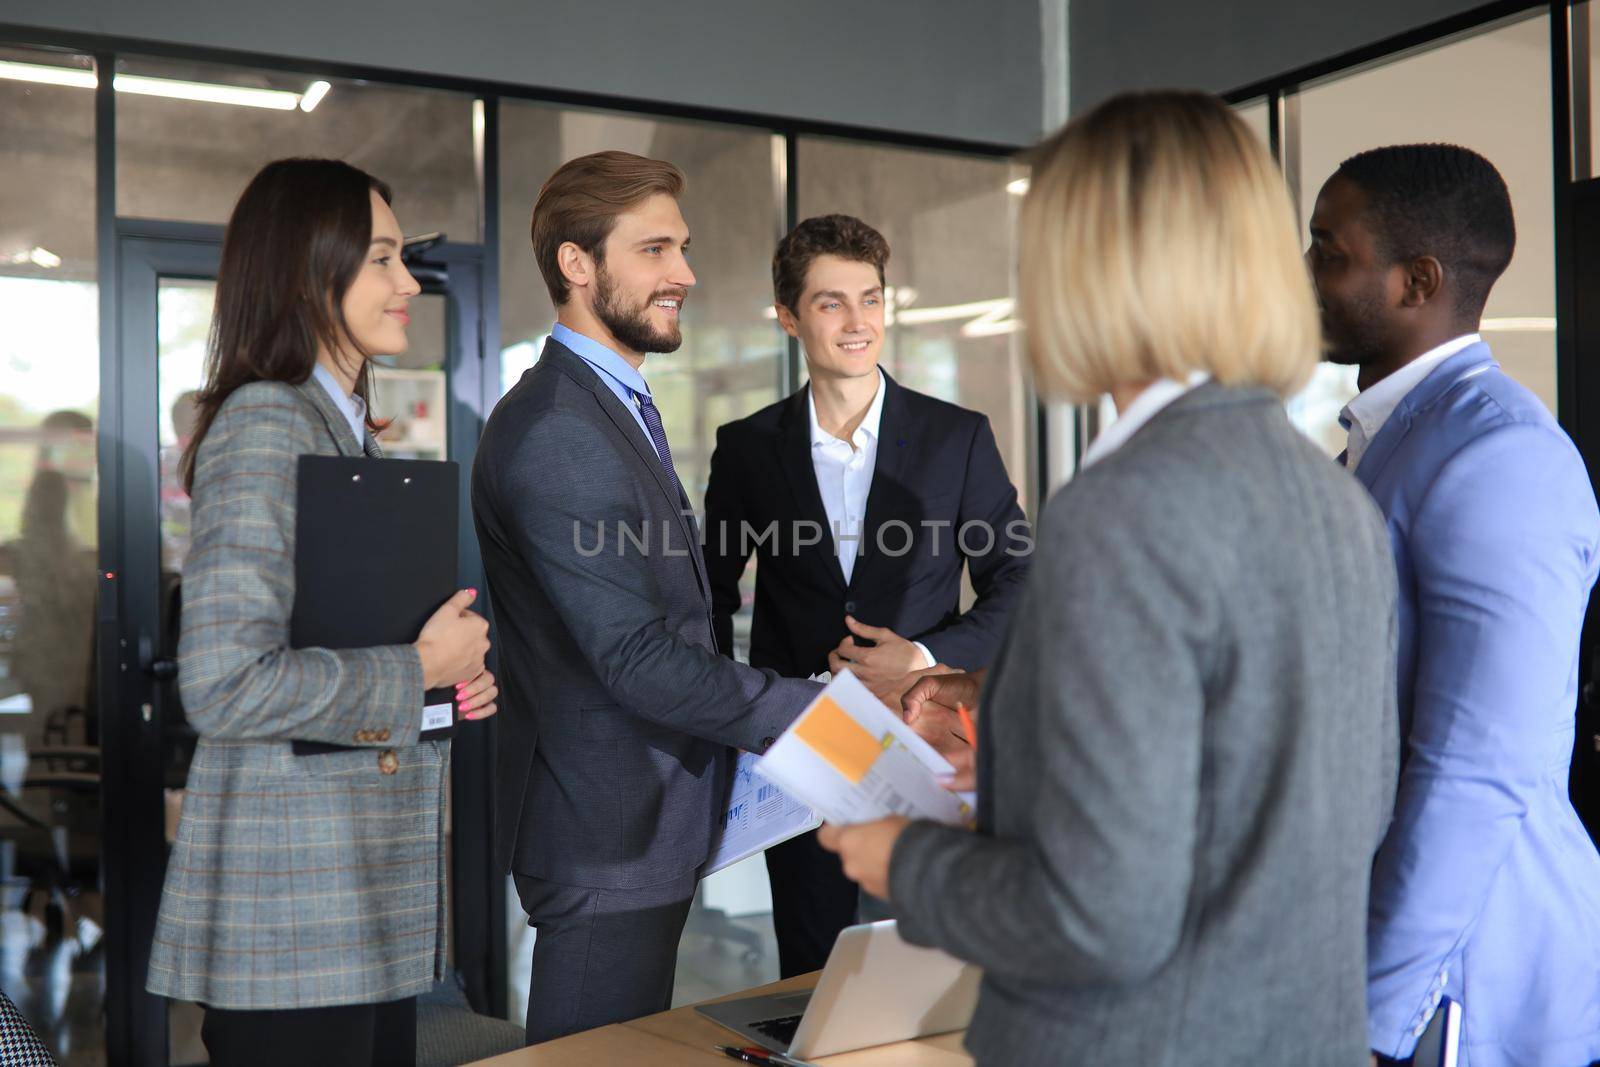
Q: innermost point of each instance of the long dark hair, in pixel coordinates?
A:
(296, 239)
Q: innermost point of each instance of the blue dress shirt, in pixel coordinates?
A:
(354, 408)
(620, 376)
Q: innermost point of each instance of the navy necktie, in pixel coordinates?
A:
(658, 434)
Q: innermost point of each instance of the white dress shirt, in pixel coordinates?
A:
(1364, 416)
(1146, 406)
(844, 478)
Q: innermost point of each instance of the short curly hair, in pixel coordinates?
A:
(844, 236)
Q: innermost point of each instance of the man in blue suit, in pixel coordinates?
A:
(1486, 888)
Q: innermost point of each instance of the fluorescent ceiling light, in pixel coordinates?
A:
(39, 257)
(139, 85)
(1518, 325)
(38, 72)
(206, 92)
(313, 95)
(1018, 187)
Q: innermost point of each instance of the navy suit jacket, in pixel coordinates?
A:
(620, 720)
(937, 470)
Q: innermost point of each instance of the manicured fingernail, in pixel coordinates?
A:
(471, 715)
(460, 686)
(464, 705)
(473, 591)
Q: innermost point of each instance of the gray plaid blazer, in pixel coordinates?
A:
(296, 881)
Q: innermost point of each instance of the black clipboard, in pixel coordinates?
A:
(375, 554)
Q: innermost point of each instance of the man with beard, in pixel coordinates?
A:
(1486, 888)
(621, 718)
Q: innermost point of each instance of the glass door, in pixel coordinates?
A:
(167, 289)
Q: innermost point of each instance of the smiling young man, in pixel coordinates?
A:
(1486, 888)
(621, 719)
(876, 497)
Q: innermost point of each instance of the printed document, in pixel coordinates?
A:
(853, 760)
(759, 815)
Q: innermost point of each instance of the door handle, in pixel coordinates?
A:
(153, 663)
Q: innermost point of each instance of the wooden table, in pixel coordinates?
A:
(684, 1037)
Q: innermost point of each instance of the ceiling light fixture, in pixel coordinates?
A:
(313, 95)
(171, 88)
(1530, 324)
(39, 257)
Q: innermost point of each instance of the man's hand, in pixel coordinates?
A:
(864, 850)
(892, 691)
(943, 689)
(892, 656)
(929, 707)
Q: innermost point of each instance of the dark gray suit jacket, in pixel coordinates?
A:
(1186, 758)
(620, 719)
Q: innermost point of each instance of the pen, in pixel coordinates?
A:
(966, 724)
(753, 1055)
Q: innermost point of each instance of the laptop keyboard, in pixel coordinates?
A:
(781, 1030)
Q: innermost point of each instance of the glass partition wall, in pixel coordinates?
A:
(1487, 88)
(52, 911)
(132, 164)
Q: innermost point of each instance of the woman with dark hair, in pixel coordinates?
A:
(304, 903)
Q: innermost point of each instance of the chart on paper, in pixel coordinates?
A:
(759, 815)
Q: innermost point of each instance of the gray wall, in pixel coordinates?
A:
(951, 68)
(1217, 46)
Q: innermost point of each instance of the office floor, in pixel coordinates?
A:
(712, 963)
(58, 982)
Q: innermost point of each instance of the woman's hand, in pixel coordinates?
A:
(864, 849)
(453, 642)
(475, 699)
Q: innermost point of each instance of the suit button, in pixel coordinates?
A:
(388, 762)
(850, 607)
(381, 735)
(363, 736)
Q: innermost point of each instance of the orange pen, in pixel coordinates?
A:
(966, 724)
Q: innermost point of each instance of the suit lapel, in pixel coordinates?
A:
(579, 371)
(338, 427)
(586, 376)
(1470, 360)
(888, 472)
(801, 472)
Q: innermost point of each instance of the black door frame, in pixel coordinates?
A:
(131, 628)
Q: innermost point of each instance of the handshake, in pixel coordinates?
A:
(926, 696)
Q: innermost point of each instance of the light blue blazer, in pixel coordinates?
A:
(1486, 888)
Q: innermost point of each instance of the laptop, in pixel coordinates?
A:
(875, 989)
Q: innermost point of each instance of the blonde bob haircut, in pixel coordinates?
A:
(1158, 240)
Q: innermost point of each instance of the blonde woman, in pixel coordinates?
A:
(1188, 746)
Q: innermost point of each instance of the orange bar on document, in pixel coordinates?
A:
(839, 739)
